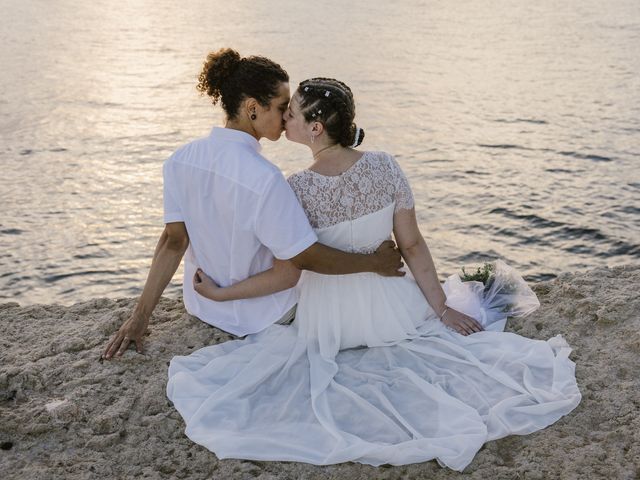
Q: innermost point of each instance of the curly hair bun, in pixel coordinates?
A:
(217, 69)
(229, 78)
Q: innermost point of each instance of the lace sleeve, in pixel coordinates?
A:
(403, 194)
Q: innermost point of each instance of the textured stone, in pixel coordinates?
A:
(67, 414)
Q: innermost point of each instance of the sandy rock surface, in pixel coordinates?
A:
(65, 414)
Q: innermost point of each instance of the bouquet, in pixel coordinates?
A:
(492, 293)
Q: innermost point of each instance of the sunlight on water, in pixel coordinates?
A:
(517, 124)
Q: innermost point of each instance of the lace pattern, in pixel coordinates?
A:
(372, 183)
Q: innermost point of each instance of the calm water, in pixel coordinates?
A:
(518, 124)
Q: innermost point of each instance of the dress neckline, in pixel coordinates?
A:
(364, 154)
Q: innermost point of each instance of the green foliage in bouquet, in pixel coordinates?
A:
(482, 274)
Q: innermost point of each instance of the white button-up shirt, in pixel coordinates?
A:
(239, 212)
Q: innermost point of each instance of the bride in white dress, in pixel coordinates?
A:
(372, 369)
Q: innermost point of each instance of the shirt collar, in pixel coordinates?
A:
(231, 135)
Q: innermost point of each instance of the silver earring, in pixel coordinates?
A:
(312, 138)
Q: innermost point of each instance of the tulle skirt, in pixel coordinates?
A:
(368, 373)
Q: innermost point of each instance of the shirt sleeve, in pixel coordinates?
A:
(280, 223)
(172, 212)
(403, 195)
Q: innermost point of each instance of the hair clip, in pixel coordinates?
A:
(306, 89)
(319, 112)
(327, 93)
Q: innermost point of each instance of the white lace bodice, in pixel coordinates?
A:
(371, 184)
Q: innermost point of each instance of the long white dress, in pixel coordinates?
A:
(367, 372)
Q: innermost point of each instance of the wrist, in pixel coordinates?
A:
(439, 300)
(141, 313)
(378, 265)
(216, 294)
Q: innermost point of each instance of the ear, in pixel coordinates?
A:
(317, 128)
(251, 105)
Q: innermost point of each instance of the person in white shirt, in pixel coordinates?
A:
(230, 212)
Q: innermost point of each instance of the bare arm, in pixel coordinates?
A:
(285, 273)
(416, 253)
(320, 258)
(170, 249)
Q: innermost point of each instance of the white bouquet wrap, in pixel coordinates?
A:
(502, 293)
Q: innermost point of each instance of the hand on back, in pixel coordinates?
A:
(389, 260)
(205, 286)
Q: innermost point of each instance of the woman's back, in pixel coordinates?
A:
(354, 212)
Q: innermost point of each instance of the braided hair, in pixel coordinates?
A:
(229, 78)
(330, 102)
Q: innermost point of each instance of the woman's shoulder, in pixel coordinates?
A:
(379, 154)
(296, 176)
(380, 157)
(382, 160)
(297, 180)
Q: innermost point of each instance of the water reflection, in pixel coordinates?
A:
(516, 123)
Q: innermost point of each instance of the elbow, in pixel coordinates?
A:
(175, 236)
(304, 260)
(178, 244)
(292, 278)
(411, 249)
(288, 275)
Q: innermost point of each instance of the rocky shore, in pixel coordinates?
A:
(65, 414)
